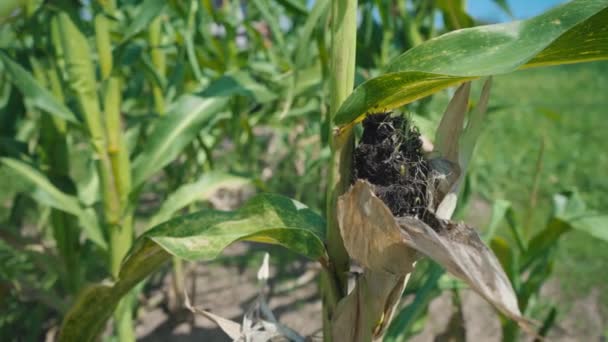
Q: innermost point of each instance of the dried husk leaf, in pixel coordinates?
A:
(452, 123)
(370, 233)
(364, 315)
(456, 143)
(375, 238)
(369, 226)
(259, 323)
(459, 249)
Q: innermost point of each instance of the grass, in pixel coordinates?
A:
(567, 107)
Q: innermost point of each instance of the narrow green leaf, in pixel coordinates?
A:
(238, 83)
(454, 14)
(319, 9)
(297, 6)
(9, 8)
(545, 239)
(271, 20)
(200, 190)
(594, 225)
(48, 194)
(499, 210)
(37, 96)
(265, 218)
(504, 6)
(172, 132)
(406, 318)
(148, 11)
(570, 33)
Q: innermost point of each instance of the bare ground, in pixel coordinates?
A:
(227, 290)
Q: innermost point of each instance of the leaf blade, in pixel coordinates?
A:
(48, 194)
(38, 96)
(570, 33)
(173, 132)
(265, 218)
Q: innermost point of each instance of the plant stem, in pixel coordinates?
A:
(53, 136)
(112, 166)
(342, 63)
(121, 230)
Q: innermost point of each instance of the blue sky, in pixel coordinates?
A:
(522, 9)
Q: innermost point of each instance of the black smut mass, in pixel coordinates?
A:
(389, 156)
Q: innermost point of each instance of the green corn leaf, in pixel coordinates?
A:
(9, 8)
(48, 194)
(454, 14)
(272, 20)
(301, 55)
(570, 212)
(238, 83)
(504, 6)
(499, 210)
(407, 317)
(200, 190)
(265, 218)
(35, 94)
(173, 132)
(570, 33)
(298, 6)
(148, 11)
(594, 225)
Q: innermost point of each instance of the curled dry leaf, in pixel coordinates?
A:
(259, 323)
(364, 315)
(368, 226)
(370, 232)
(455, 143)
(382, 242)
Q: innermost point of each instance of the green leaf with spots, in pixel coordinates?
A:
(203, 235)
(570, 33)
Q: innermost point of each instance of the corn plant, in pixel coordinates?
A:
(358, 224)
(192, 82)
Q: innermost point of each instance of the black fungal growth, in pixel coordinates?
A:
(389, 156)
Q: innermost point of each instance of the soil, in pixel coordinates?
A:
(390, 157)
(228, 290)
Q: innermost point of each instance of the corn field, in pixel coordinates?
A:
(143, 137)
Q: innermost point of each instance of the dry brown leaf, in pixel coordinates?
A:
(365, 313)
(232, 329)
(451, 125)
(376, 239)
(370, 233)
(459, 249)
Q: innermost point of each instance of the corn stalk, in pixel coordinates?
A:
(342, 76)
(106, 139)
